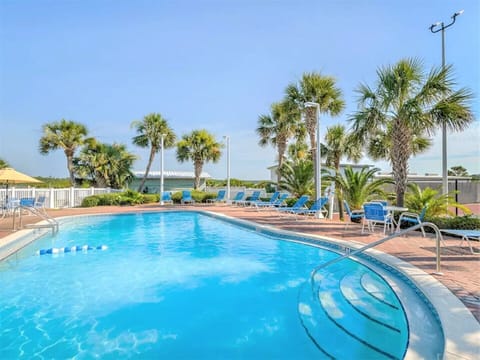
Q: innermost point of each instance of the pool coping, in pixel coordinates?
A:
(461, 330)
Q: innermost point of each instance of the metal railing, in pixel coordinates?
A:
(349, 253)
(50, 222)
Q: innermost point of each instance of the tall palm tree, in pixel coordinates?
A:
(358, 187)
(276, 129)
(406, 103)
(67, 135)
(339, 144)
(150, 131)
(314, 87)
(200, 147)
(107, 165)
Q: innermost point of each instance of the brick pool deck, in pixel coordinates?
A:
(460, 268)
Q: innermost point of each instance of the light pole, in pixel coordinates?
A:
(227, 138)
(434, 28)
(318, 165)
(161, 169)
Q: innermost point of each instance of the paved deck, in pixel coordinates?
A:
(460, 268)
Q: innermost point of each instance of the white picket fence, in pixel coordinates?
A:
(55, 198)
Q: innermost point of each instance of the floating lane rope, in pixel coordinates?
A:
(70, 249)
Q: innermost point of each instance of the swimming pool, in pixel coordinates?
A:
(182, 285)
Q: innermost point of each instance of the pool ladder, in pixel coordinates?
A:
(49, 221)
(340, 313)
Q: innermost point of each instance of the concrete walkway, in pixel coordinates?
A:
(461, 269)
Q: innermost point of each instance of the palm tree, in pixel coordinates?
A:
(358, 187)
(200, 147)
(64, 134)
(437, 204)
(150, 131)
(338, 144)
(121, 162)
(277, 128)
(405, 104)
(107, 165)
(297, 177)
(298, 150)
(3, 164)
(457, 171)
(314, 87)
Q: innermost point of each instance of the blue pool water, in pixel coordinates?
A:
(170, 284)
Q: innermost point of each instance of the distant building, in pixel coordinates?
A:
(172, 181)
(465, 190)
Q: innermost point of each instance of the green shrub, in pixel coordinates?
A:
(109, 199)
(151, 198)
(200, 196)
(291, 201)
(177, 197)
(466, 222)
(208, 196)
(131, 197)
(90, 201)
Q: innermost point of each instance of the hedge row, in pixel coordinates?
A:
(130, 197)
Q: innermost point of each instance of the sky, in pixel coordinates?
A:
(215, 65)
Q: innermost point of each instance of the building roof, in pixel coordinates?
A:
(426, 177)
(354, 166)
(169, 174)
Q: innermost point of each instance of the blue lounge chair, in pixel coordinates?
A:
(412, 219)
(375, 213)
(353, 215)
(167, 197)
(187, 197)
(238, 197)
(466, 235)
(274, 197)
(296, 207)
(220, 197)
(279, 201)
(251, 199)
(317, 206)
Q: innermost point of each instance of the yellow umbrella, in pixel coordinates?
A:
(12, 176)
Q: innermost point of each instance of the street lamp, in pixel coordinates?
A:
(227, 138)
(318, 166)
(434, 28)
(161, 169)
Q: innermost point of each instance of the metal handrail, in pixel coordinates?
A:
(53, 223)
(349, 253)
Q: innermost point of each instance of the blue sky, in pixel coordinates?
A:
(211, 64)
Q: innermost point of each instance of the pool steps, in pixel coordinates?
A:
(360, 309)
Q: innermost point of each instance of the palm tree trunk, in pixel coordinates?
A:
(198, 171)
(337, 188)
(147, 170)
(282, 145)
(69, 155)
(400, 155)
